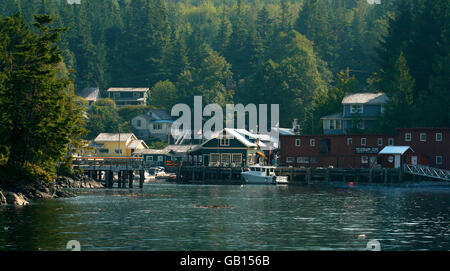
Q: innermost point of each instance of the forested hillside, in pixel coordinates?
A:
(304, 55)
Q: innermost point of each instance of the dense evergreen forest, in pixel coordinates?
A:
(302, 54)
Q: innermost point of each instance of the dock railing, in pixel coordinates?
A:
(426, 171)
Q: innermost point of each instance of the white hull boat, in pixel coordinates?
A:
(263, 175)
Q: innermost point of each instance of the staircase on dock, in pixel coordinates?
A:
(426, 171)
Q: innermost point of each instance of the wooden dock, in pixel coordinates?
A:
(232, 175)
(121, 170)
(110, 170)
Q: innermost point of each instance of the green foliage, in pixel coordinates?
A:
(157, 145)
(22, 175)
(164, 94)
(412, 70)
(102, 118)
(39, 119)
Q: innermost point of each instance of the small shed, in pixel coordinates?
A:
(397, 156)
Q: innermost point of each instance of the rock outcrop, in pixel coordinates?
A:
(2, 198)
(17, 199)
(20, 195)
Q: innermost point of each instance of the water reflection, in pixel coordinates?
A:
(179, 217)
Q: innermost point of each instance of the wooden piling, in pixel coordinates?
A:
(130, 179)
(141, 178)
(385, 175)
(370, 175)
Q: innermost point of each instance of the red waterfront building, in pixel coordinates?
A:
(432, 143)
(428, 146)
(339, 151)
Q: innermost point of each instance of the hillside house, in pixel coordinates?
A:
(359, 111)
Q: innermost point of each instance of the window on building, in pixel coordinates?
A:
(363, 141)
(324, 145)
(438, 136)
(136, 94)
(290, 160)
(237, 158)
(224, 141)
(160, 158)
(382, 109)
(438, 160)
(214, 158)
(226, 158)
(312, 160)
(312, 142)
(298, 142)
(364, 159)
(103, 150)
(333, 124)
(390, 141)
(423, 137)
(302, 160)
(360, 124)
(118, 151)
(138, 123)
(349, 141)
(380, 141)
(356, 109)
(407, 136)
(157, 126)
(117, 95)
(149, 158)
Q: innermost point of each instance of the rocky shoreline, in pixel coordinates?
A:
(22, 195)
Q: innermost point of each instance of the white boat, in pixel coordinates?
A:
(263, 175)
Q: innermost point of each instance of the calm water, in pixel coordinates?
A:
(171, 217)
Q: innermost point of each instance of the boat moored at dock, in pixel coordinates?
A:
(262, 175)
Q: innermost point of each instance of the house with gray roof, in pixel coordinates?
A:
(90, 94)
(155, 124)
(128, 96)
(359, 111)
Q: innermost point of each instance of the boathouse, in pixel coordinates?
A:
(397, 156)
(169, 156)
(229, 148)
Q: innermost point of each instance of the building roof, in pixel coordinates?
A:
(239, 137)
(127, 89)
(395, 150)
(135, 143)
(177, 149)
(113, 137)
(333, 116)
(151, 151)
(366, 98)
(159, 114)
(90, 94)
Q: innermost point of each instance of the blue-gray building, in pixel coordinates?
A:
(360, 111)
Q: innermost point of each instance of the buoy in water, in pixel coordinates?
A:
(351, 183)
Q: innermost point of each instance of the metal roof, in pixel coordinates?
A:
(395, 150)
(127, 89)
(135, 143)
(366, 98)
(113, 137)
(90, 94)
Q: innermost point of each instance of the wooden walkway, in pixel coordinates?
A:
(228, 175)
